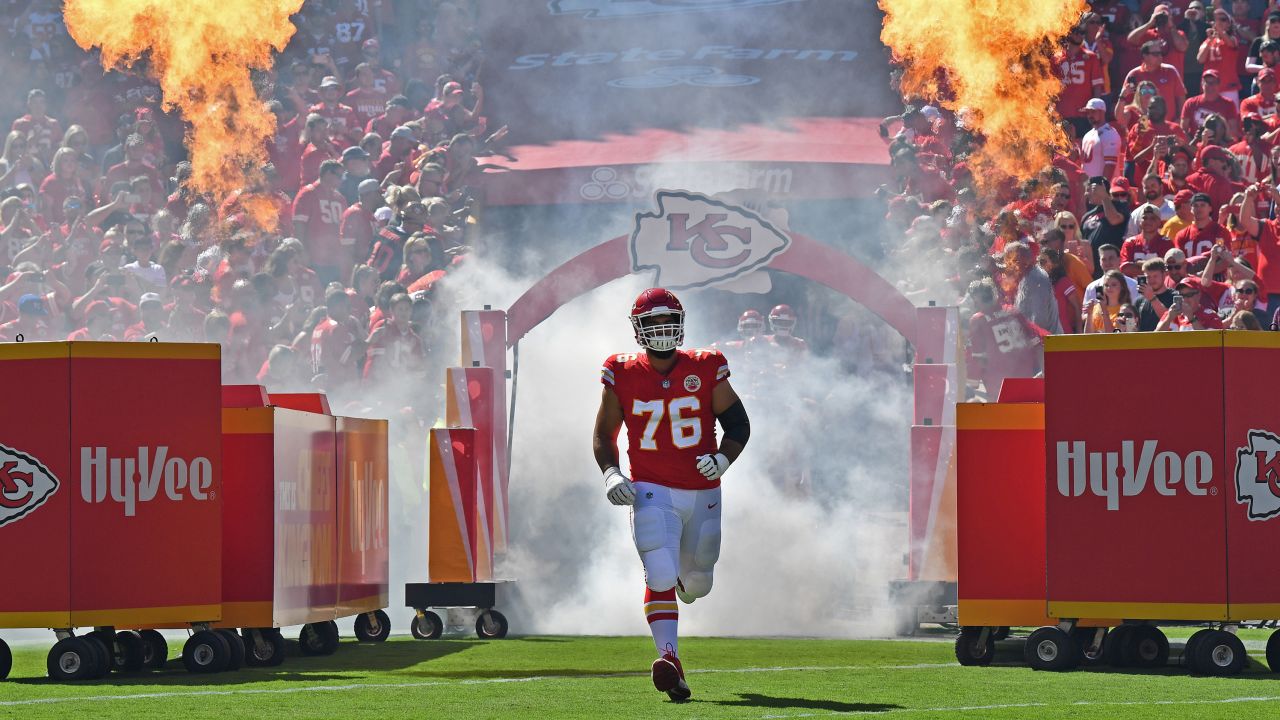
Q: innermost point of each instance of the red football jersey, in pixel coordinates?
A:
(668, 416)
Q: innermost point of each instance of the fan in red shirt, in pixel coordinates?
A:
(358, 224)
(1220, 52)
(1204, 232)
(43, 132)
(317, 220)
(345, 127)
(1212, 179)
(1186, 312)
(1197, 109)
(1003, 343)
(318, 148)
(336, 353)
(133, 166)
(367, 99)
(1167, 78)
(1149, 243)
(1081, 73)
(383, 78)
(669, 400)
(1253, 154)
(1264, 103)
(394, 114)
(1151, 137)
(1267, 233)
(395, 350)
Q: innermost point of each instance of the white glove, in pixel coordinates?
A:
(618, 488)
(713, 466)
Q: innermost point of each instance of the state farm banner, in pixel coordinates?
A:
(581, 68)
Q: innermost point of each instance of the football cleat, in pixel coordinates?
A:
(685, 597)
(668, 677)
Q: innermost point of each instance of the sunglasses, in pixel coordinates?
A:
(1125, 316)
(1175, 266)
(1246, 291)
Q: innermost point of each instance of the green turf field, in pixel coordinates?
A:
(593, 677)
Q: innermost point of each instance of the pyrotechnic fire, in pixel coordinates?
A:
(201, 52)
(996, 58)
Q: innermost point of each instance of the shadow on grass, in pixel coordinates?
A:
(768, 701)
(353, 662)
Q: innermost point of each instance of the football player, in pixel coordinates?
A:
(669, 400)
(782, 321)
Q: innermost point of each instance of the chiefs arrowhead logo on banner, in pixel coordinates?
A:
(1258, 475)
(637, 8)
(697, 241)
(25, 484)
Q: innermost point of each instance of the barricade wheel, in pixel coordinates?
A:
(1049, 648)
(264, 647)
(1220, 653)
(205, 652)
(969, 652)
(1189, 650)
(1000, 633)
(101, 644)
(318, 638)
(1084, 638)
(127, 652)
(6, 660)
(427, 626)
(491, 625)
(1145, 647)
(235, 659)
(72, 658)
(377, 629)
(1273, 653)
(155, 651)
(1113, 645)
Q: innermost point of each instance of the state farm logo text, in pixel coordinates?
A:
(25, 484)
(694, 241)
(139, 479)
(1258, 475)
(1112, 475)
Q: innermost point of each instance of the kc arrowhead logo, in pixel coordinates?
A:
(1258, 475)
(696, 241)
(25, 484)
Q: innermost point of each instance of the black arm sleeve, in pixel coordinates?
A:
(734, 422)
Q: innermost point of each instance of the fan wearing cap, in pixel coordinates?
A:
(357, 167)
(1210, 101)
(1186, 313)
(345, 127)
(97, 323)
(1153, 193)
(1105, 221)
(452, 114)
(1101, 147)
(1212, 178)
(1220, 52)
(394, 114)
(153, 322)
(1167, 78)
(32, 322)
(1263, 104)
(358, 224)
(371, 55)
(1148, 242)
(1253, 153)
(395, 150)
(1204, 231)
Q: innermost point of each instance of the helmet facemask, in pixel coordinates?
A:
(660, 338)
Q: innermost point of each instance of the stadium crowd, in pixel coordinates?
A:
(1157, 211)
(379, 120)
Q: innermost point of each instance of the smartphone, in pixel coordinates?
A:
(1142, 280)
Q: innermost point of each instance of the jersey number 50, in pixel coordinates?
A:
(686, 432)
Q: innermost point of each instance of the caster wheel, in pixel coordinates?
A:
(377, 629)
(1220, 653)
(1000, 633)
(155, 651)
(6, 660)
(72, 658)
(1273, 653)
(427, 626)
(1114, 644)
(1085, 638)
(491, 625)
(318, 638)
(205, 652)
(128, 652)
(101, 644)
(970, 652)
(235, 659)
(263, 647)
(1049, 648)
(1189, 650)
(1145, 647)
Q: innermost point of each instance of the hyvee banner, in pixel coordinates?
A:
(582, 68)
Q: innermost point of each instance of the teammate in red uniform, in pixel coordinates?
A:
(782, 321)
(669, 400)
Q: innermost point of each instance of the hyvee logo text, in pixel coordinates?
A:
(638, 8)
(711, 53)
(133, 480)
(1114, 474)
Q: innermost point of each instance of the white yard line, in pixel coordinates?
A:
(1015, 706)
(483, 681)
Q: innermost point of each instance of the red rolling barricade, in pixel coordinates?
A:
(306, 530)
(110, 470)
